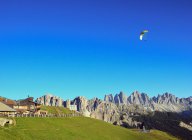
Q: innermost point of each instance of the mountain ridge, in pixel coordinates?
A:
(167, 102)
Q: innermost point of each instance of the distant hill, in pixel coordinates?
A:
(56, 110)
(76, 128)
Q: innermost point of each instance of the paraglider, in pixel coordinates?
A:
(143, 34)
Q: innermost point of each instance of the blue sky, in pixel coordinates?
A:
(92, 48)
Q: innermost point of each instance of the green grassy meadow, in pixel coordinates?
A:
(75, 128)
(56, 110)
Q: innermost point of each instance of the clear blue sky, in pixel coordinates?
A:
(91, 48)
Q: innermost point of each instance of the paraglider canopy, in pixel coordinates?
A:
(142, 34)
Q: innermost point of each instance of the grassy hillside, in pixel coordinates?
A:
(76, 128)
(56, 110)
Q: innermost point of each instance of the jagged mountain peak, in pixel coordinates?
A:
(80, 97)
(167, 94)
(167, 98)
(121, 93)
(166, 101)
(120, 98)
(139, 98)
(50, 100)
(136, 93)
(109, 98)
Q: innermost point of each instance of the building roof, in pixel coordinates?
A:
(6, 108)
(7, 101)
(27, 101)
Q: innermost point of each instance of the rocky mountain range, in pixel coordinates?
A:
(121, 103)
(50, 100)
(130, 111)
(166, 102)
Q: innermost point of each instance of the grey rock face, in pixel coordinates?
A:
(139, 99)
(189, 100)
(120, 98)
(82, 105)
(117, 99)
(145, 99)
(96, 103)
(123, 98)
(106, 111)
(134, 98)
(167, 98)
(93, 104)
(154, 99)
(50, 100)
(187, 126)
(109, 98)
